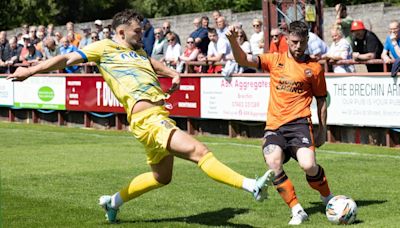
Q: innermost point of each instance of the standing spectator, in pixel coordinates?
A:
(148, 36)
(196, 23)
(316, 47)
(218, 50)
(86, 37)
(32, 35)
(167, 29)
(41, 29)
(174, 50)
(33, 55)
(72, 39)
(66, 48)
(257, 38)
(4, 47)
(13, 53)
(107, 33)
(278, 41)
(216, 14)
(160, 45)
(24, 50)
(200, 35)
(366, 45)
(392, 43)
(189, 54)
(50, 30)
(71, 28)
(99, 28)
(58, 38)
(25, 29)
(50, 50)
(343, 20)
(221, 28)
(340, 49)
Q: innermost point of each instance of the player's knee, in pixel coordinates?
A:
(200, 151)
(274, 164)
(307, 166)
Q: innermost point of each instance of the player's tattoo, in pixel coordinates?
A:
(269, 149)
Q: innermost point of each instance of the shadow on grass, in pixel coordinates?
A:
(319, 207)
(212, 218)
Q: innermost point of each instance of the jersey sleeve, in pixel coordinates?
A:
(266, 60)
(319, 83)
(92, 52)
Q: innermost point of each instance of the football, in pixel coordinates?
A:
(341, 210)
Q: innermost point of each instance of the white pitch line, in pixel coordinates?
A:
(319, 150)
(213, 143)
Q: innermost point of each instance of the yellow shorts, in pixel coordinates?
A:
(153, 127)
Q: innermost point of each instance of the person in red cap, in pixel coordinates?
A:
(366, 45)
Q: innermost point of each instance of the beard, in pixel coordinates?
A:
(137, 45)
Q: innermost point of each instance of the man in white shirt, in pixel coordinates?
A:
(340, 49)
(257, 38)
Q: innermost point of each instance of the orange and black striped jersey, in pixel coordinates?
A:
(292, 86)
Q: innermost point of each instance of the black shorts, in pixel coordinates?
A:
(290, 137)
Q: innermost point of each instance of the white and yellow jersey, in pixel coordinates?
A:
(127, 72)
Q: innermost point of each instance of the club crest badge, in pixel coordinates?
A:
(308, 72)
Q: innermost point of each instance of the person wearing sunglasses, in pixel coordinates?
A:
(189, 54)
(160, 44)
(257, 38)
(278, 41)
(174, 50)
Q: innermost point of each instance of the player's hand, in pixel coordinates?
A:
(232, 32)
(20, 74)
(176, 81)
(320, 138)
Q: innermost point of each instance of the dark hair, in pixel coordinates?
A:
(298, 28)
(126, 17)
(343, 6)
(212, 30)
(204, 18)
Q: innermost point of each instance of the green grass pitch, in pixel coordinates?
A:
(53, 176)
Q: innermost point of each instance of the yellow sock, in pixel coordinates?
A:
(220, 172)
(141, 184)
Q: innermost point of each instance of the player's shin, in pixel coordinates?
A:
(220, 172)
(319, 182)
(139, 185)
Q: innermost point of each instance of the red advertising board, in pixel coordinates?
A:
(93, 94)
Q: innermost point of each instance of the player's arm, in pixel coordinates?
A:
(240, 56)
(322, 116)
(161, 69)
(58, 62)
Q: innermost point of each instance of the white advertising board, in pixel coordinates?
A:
(6, 92)
(241, 98)
(362, 101)
(40, 93)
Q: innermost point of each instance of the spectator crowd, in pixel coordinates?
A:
(207, 44)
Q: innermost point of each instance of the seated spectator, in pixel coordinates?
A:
(39, 45)
(316, 46)
(231, 66)
(257, 38)
(278, 41)
(218, 49)
(65, 48)
(50, 49)
(173, 52)
(340, 49)
(189, 54)
(366, 45)
(33, 55)
(12, 55)
(107, 33)
(94, 36)
(392, 43)
(86, 39)
(200, 35)
(160, 45)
